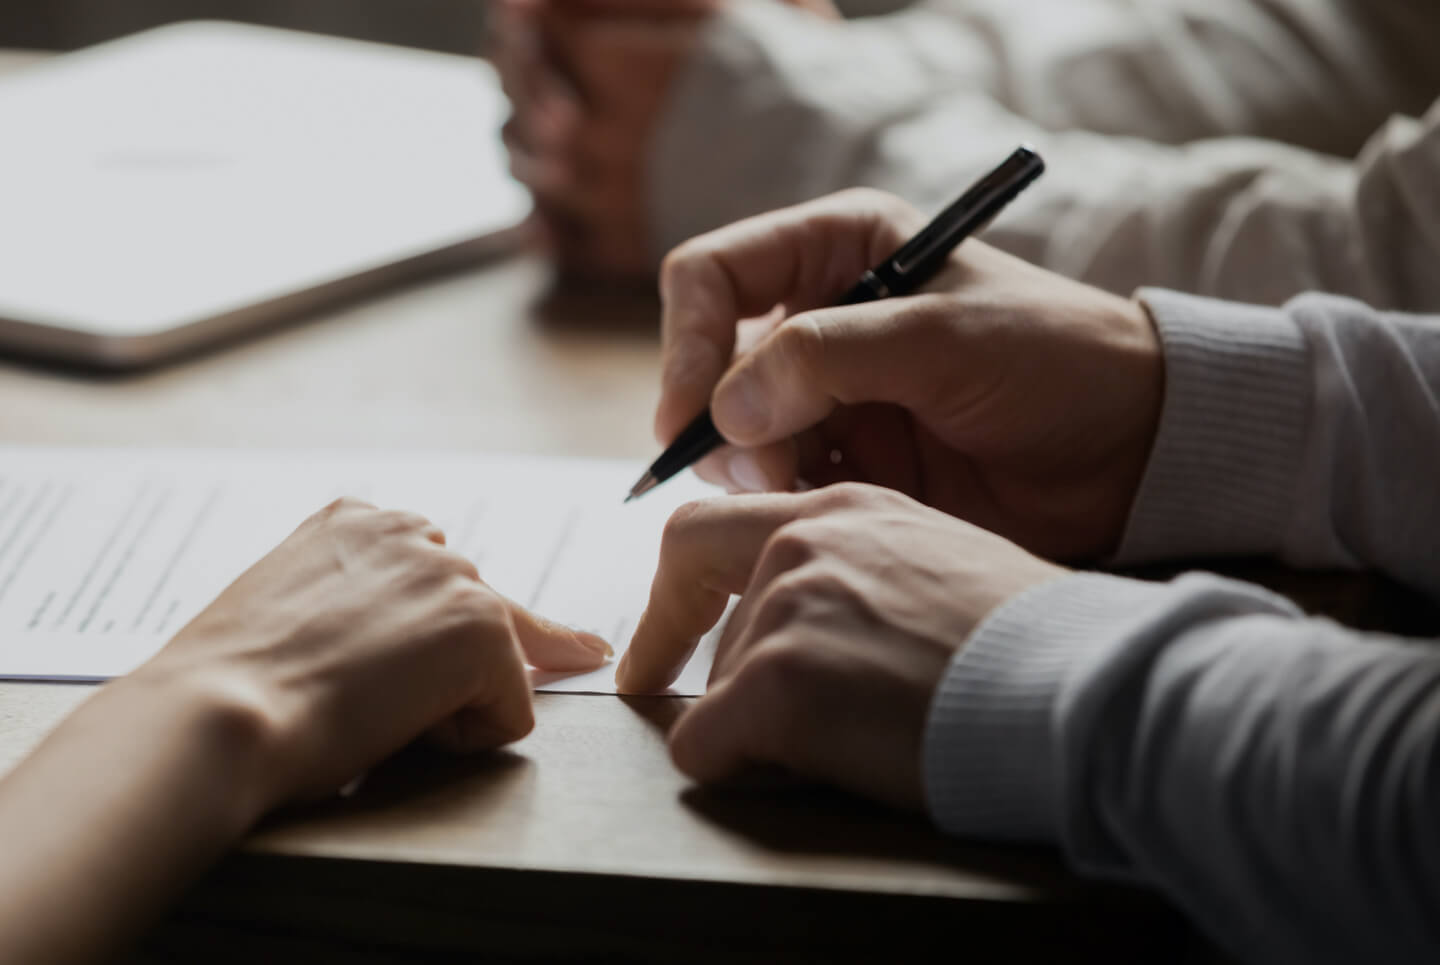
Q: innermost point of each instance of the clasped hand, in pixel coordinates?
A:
(588, 81)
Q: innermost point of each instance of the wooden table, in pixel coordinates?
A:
(581, 841)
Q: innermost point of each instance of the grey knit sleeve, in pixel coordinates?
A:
(1309, 433)
(1277, 778)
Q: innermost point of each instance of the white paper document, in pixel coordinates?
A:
(106, 553)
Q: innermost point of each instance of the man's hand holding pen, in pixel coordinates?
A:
(1003, 394)
(1001, 412)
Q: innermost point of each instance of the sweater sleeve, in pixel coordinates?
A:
(1320, 75)
(1274, 776)
(921, 102)
(1309, 433)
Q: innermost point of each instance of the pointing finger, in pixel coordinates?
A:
(708, 552)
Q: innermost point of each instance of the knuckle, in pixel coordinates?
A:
(343, 506)
(684, 521)
(848, 496)
(800, 341)
(473, 603)
(797, 596)
(792, 545)
(777, 672)
(401, 522)
(460, 566)
(678, 266)
(776, 610)
(802, 588)
(338, 519)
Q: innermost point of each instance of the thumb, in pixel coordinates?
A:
(892, 352)
(801, 257)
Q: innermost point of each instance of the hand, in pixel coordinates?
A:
(854, 601)
(1008, 396)
(357, 634)
(588, 81)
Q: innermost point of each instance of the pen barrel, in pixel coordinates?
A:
(696, 441)
(920, 258)
(871, 287)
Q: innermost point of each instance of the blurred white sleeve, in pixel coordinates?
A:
(780, 106)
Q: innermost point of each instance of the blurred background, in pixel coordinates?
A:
(456, 26)
(451, 25)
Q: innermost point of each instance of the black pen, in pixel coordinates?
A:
(915, 263)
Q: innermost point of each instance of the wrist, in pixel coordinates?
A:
(1139, 417)
(223, 730)
(1117, 362)
(141, 788)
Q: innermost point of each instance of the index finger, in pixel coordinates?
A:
(800, 257)
(708, 552)
(548, 645)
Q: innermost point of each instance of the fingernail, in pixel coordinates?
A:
(745, 472)
(739, 406)
(596, 643)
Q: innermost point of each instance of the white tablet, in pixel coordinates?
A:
(185, 184)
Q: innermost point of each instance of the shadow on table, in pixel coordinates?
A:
(788, 816)
(659, 711)
(421, 782)
(1020, 904)
(575, 305)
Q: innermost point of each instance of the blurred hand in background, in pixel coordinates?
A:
(588, 81)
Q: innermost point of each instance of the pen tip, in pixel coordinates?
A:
(646, 483)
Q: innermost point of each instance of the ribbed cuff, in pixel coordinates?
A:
(1222, 476)
(993, 761)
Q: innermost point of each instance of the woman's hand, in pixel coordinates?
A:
(357, 634)
(1006, 395)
